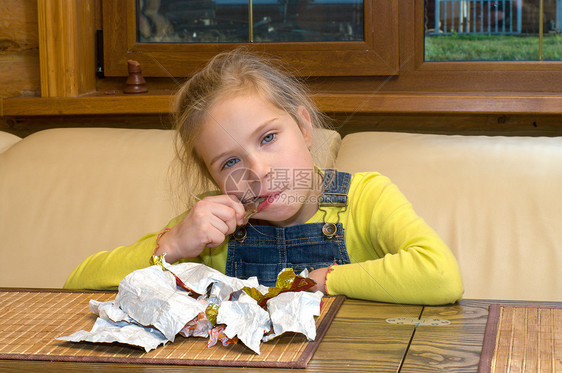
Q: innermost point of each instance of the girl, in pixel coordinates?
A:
(246, 128)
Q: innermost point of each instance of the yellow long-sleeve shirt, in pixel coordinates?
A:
(395, 256)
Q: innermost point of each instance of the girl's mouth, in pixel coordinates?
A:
(268, 200)
(252, 206)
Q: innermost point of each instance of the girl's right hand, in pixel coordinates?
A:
(206, 225)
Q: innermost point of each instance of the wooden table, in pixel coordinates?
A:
(360, 339)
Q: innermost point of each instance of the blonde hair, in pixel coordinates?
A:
(228, 74)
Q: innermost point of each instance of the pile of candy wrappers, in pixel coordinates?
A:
(155, 304)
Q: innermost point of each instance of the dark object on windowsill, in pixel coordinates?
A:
(135, 82)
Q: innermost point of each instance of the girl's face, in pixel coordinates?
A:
(254, 149)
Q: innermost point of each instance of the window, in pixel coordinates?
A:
(390, 60)
(467, 77)
(493, 30)
(318, 38)
(243, 21)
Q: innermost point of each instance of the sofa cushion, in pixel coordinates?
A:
(69, 193)
(7, 140)
(496, 201)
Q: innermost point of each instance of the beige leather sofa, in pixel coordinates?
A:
(496, 201)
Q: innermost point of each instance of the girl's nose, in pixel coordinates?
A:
(262, 169)
(260, 166)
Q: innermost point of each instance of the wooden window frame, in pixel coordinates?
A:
(471, 76)
(529, 90)
(376, 55)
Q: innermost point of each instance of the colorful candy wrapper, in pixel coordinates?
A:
(217, 292)
(200, 326)
(217, 334)
(287, 280)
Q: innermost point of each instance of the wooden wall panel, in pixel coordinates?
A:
(19, 48)
(67, 47)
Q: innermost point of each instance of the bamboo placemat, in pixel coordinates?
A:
(31, 320)
(522, 339)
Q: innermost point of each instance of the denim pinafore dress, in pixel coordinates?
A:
(266, 250)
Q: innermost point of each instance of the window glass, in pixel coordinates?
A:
(228, 21)
(493, 30)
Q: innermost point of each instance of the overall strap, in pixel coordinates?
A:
(334, 194)
(334, 188)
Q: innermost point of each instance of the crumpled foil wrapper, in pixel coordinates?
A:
(106, 331)
(151, 298)
(155, 304)
(294, 312)
(198, 277)
(247, 321)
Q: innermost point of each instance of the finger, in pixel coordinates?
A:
(216, 232)
(229, 210)
(223, 226)
(238, 208)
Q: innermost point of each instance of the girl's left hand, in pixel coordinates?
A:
(319, 275)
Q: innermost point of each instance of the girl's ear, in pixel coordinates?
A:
(305, 125)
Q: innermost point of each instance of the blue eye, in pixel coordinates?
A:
(231, 162)
(268, 138)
